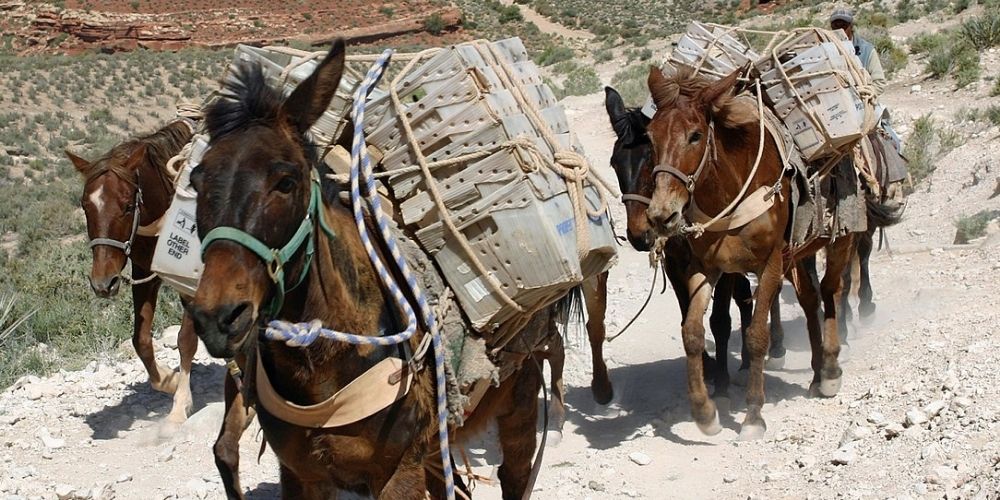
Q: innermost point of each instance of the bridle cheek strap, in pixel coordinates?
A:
(636, 197)
(690, 180)
(124, 246)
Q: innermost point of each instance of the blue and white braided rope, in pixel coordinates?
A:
(303, 334)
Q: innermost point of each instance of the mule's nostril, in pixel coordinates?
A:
(235, 313)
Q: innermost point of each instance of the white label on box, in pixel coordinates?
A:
(477, 290)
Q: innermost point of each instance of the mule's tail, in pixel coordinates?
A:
(569, 316)
(884, 214)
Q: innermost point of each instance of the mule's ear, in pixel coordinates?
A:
(79, 164)
(310, 99)
(617, 113)
(664, 92)
(717, 91)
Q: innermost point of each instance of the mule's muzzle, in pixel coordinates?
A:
(106, 288)
(641, 242)
(224, 328)
(665, 222)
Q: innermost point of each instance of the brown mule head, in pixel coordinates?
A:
(255, 178)
(681, 133)
(110, 201)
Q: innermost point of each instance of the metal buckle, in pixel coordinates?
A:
(274, 266)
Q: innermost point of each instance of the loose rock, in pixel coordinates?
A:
(640, 458)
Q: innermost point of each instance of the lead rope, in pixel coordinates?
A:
(304, 334)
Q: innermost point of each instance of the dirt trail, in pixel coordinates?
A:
(918, 415)
(548, 26)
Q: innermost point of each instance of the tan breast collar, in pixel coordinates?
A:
(382, 385)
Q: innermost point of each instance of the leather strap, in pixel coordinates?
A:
(382, 385)
(753, 206)
(635, 197)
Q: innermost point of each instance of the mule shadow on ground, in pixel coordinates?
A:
(264, 491)
(658, 390)
(141, 402)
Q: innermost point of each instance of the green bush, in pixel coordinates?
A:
(553, 54)
(893, 57)
(630, 82)
(995, 91)
(509, 14)
(434, 24)
(581, 81)
(922, 160)
(983, 32)
(973, 226)
(926, 43)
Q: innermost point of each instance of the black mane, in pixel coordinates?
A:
(246, 99)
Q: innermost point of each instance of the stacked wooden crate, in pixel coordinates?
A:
(812, 82)
(711, 50)
(502, 190)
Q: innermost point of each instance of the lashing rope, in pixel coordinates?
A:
(303, 334)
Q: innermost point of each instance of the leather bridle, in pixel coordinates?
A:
(689, 181)
(126, 245)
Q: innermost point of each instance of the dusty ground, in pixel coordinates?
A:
(918, 415)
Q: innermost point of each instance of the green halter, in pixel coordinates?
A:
(275, 259)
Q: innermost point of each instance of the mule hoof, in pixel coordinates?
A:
(752, 432)
(741, 377)
(711, 428)
(603, 392)
(830, 387)
(169, 428)
(168, 384)
(553, 437)
(723, 403)
(775, 363)
(866, 310)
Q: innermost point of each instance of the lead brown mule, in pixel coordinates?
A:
(257, 177)
(705, 143)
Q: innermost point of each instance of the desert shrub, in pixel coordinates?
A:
(992, 114)
(564, 67)
(955, 57)
(919, 149)
(995, 91)
(603, 55)
(510, 14)
(973, 226)
(434, 24)
(581, 81)
(553, 54)
(893, 57)
(925, 43)
(983, 32)
(630, 82)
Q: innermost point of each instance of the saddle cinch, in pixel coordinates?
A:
(516, 218)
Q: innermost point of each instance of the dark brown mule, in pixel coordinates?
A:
(256, 177)
(125, 193)
(631, 158)
(705, 143)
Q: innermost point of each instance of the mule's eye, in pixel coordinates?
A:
(695, 137)
(285, 185)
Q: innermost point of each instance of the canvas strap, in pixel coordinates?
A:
(382, 385)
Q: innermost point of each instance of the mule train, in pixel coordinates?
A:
(290, 262)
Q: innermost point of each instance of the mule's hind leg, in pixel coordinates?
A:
(838, 255)
(144, 295)
(807, 292)
(187, 345)
(776, 352)
(555, 354)
(758, 337)
(516, 428)
(743, 297)
(595, 296)
(866, 303)
(721, 325)
(703, 409)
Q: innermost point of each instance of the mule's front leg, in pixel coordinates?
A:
(144, 295)
(703, 409)
(595, 296)
(758, 338)
(187, 345)
(555, 354)
(227, 445)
